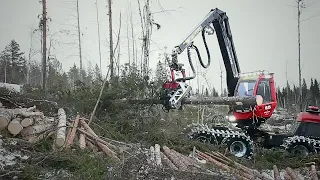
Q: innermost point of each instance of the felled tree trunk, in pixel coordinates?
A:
(176, 160)
(157, 154)
(225, 167)
(152, 155)
(82, 140)
(101, 144)
(314, 172)
(90, 131)
(292, 174)
(276, 173)
(167, 161)
(72, 133)
(212, 100)
(91, 145)
(61, 132)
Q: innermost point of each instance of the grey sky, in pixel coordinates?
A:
(265, 33)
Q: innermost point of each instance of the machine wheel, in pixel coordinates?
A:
(203, 139)
(239, 146)
(301, 149)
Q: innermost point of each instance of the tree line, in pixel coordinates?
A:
(17, 69)
(288, 97)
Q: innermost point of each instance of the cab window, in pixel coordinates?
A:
(264, 90)
(246, 88)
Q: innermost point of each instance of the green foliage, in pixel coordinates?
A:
(290, 95)
(13, 64)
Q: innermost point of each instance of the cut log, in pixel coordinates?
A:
(90, 131)
(157, 154)
(35, 132)
(91, 145)
(176, 160)
(15, 127)
(25, 113)
(100, 143)
(167, 161)
(181, 157)
(225, 167)
(276, 173)
(152, 159)
(72, 132)
(286, 176)
(82, 140)
(314, 172)
(5, 117)
(31, 108)
(61, 132)
(225, 160)
(292, 174)
(26, 122)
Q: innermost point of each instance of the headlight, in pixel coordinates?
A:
(231, 118)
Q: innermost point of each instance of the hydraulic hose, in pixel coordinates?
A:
(207, 49)
(199, 57)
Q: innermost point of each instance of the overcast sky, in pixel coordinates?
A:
(264, 33)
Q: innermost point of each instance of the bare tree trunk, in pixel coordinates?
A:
(44, 36)
(118, 46)
(29, 57)
(146, 40)
(99, 36)
(79, 38)
(5, 71)
(132, 36)
(111, 41)
(128, 41)
(299, 56)
(142, 33)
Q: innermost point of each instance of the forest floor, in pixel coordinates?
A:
(22, 160)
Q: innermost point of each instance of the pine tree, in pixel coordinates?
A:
(161, 73)
(316, 93)
(13, 64)
(304, 89)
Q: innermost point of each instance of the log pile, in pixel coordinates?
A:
(30, 123)
(192, 163)
(87, 138)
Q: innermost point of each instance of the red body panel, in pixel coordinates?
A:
(170, 85)
(311, 115)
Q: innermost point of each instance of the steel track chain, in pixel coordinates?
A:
(297, 139)
(220, 135)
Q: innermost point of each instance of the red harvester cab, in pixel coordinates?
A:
(261, 85)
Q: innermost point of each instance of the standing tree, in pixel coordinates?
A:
(300, 5)
(79, 39)
(111, 40)
(13, 64)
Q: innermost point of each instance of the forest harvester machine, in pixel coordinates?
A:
(246, 118)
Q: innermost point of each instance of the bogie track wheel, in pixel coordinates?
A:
(301, 149)
(239, 147)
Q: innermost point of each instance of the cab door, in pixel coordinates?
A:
(266, 89)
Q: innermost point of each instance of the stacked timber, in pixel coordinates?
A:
(27, 122)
